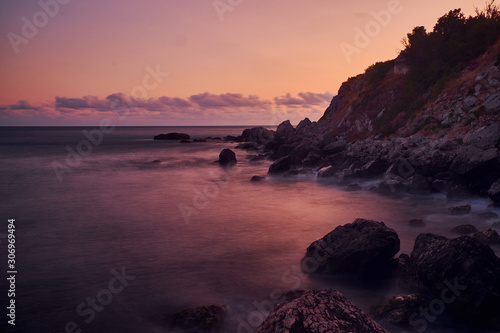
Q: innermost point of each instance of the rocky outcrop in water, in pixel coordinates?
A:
(204, 319)
(227, 157)
(172, 136)
(319, 311)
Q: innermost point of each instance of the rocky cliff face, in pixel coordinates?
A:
(369, 105)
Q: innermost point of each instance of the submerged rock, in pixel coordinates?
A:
(494, 192)
(460, 210)
(361, 247)
(205, 319)
(172, 136)
(227, 157)
(257, 178)
(319, 312)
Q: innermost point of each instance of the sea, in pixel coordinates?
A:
(115, 231)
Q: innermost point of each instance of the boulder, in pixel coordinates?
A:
(281, 165)
(391, 186)
(303, 125)
(489, 236)
(461, 273)
(199, 140)
(327, 172)
(319, 312)
(460, 210)
(186, 141)
(494, 192)
(361, 247)
(259, 135)
(285, 131)
(478, 168)
(205, 319)
(398, 309)
(484, 138)
(489, 215)
(335, 147)
(227, 157)
(172, 136)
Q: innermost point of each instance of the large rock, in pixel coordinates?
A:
(462, 274)
(172, 136)
(494, 192)
(319, 312)
(335, 147)
(281, 165)
(361, 247)
(478, 168)
(303, 125)
(205, 319)
(227, 157)
(259, 135)
(285, 131)
(419, 185)
(484, 138)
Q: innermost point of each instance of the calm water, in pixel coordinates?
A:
(188, 231)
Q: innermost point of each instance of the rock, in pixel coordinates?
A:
(248, 146)
(319, 312)
(327, 172)
(416, 223)
(361, 247)
(227, 157)
(391, 186)
(335, 147)
(398, 309)
(496, 225)
(312, 159)
(186, 141)
(285, 131)
(156, 161)
(353, 188)
(281, 165)
(259, 135)
(478, 168)
(488, 215)
(460, 210)
(465, 229)
(461, 271)
(494, 192)
(458, 192)
(419, 185)
(199, 140)
(489, 236)
(257, 178)
(205, 319)
(374, 168)
(484, 138)
(303, 125)
(172, 136)
(230, 138)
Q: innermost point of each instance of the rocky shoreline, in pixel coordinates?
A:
(443, 280)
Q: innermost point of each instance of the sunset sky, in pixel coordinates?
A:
(193, 62)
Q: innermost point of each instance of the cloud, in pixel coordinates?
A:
(207, 100)
(208, 107)
(304, 99)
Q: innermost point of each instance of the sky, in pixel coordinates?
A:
(193, 62)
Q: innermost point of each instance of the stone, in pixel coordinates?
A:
(319, 312)
(489, 215)
(489, 236)
(398, 309)
(462, 269)
(281, 165)
(259, 135)
(172, 136)
(285, 131)
(361, 247)
(335, 147)
(303, 125)
(460, 210)
(484, 138)
(227, 157)
(257, 178)
(419, 185)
